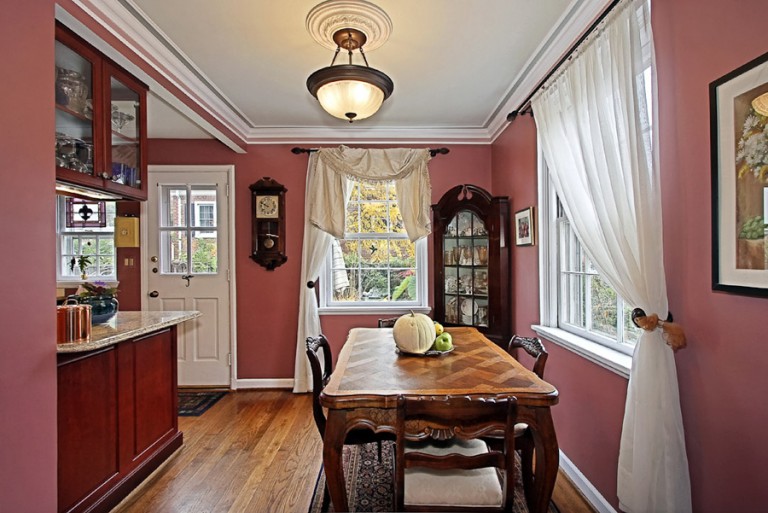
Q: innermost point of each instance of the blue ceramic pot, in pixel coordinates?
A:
(103, 308)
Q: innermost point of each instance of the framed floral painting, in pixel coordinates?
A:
(524, 230)
(739, 137)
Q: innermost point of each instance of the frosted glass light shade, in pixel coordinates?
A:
(345, 97)
(350, 92)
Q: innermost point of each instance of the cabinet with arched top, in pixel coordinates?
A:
(472, 261)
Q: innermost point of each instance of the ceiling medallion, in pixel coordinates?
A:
(327, 18)
(348, 91)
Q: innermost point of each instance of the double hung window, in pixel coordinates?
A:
(375, 267)
(85, 233)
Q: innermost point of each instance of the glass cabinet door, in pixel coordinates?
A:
(74, 110)
(465, 262)
(125, 133)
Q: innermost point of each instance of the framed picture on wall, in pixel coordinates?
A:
(524, 228)
(739, 139)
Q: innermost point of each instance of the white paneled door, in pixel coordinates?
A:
(188, 266)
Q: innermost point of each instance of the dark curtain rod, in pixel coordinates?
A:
(298, 151)
(525, 106)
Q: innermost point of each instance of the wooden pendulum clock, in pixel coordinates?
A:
(268, 206)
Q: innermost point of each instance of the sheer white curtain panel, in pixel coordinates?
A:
(594, 131)
(329, 177)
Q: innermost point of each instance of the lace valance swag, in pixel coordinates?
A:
(337, 166)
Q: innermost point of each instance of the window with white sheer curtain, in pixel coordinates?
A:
(594, 132)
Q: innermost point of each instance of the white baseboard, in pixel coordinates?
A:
(586, 488)
(264, 383)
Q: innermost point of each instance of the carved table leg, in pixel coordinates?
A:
(547, 461)
(333, 445)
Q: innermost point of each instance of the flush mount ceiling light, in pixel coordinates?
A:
(349, 91)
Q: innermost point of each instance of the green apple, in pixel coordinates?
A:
(444, 342)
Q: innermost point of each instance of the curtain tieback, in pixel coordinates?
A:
(672, 333)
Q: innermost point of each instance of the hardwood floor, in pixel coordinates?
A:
(254, 451)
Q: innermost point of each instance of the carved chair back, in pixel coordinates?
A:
(321, 373)
(443, 421)
(534, 347)
(388, 323)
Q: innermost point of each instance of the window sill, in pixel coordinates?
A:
(372, 310)
(614, 361)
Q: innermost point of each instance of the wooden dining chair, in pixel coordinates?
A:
(450, 468)
(523, 435)
(388, 323)
(320, 376)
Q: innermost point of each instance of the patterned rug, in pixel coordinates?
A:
(370, 483)
(194, 404)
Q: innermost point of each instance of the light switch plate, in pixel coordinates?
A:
(126, 232)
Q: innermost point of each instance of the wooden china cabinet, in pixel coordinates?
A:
(101, 120)
(472, 260)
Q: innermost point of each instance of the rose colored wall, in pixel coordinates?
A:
(28, 340)
(722, 373)
(267, 301)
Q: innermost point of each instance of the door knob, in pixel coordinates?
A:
(154, 293)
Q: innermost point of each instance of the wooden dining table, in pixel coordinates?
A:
(370, 374)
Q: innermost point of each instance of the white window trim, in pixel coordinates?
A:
(364, 307)
(604, 356)
(63, 281)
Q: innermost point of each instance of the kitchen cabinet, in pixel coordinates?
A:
(100, 121)
(117, 419)
(472, 259)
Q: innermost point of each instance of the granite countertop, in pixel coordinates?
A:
(127, 325)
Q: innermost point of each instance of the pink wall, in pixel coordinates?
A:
(28, 340)
(267, 301)
(721, 390)
(723, 372)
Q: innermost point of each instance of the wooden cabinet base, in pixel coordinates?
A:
(117, 419)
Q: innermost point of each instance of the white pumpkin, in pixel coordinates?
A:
(414, 333)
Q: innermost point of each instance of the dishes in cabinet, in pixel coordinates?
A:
(73, 153)
(120, 119)
(71, 89)
(468, 307)
(451, 284)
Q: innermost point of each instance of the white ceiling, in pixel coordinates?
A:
(459, 66)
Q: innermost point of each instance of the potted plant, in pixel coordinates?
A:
(101, 297)
(81, 262)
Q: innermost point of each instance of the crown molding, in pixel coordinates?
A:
(382, 135)
(124, 20)
(132, 27)
(569, 27)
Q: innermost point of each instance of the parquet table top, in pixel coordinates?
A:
(371, 373)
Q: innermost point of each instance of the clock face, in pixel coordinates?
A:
(267, 207)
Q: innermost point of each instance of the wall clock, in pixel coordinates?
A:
(268, 224)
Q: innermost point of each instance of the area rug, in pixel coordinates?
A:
(370, 483)
(194, 404)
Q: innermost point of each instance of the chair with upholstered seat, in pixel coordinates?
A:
(320, 376)
(523, 435)
(447, 466)
(388, 323)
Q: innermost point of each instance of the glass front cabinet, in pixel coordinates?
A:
(100, 121)
(472, 259)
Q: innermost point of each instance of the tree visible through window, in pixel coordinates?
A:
(375, 263)
(587, 305)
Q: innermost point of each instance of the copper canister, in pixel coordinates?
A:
(73, 324)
